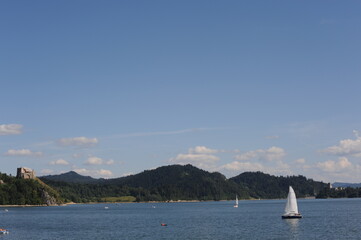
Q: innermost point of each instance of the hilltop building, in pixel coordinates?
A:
(25, 173)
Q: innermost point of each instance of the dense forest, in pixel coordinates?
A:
(15, 191)
(348, 192)
(265, 186)
(162, 184)
(167, 183)
(176, 182)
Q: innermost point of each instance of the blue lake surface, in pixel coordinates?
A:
(322, 219)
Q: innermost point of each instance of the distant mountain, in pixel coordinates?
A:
(71, 177)
(184, 182)
(178, 182)
(344, 185)
(165, 183)
(262, 185)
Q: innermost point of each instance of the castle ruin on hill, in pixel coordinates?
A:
(25, 173)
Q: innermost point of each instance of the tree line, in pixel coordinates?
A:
(176, 182)
(347, 192)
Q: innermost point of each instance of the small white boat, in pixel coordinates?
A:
(291, 209)
(236, 205)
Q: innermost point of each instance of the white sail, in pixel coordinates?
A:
(236, 205)
(291, 205)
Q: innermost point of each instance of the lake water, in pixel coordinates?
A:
(322, 219)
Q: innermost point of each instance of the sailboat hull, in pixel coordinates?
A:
(291, 216)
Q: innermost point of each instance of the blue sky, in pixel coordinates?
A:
(110, 88)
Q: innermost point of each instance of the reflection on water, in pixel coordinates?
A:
(293, 225)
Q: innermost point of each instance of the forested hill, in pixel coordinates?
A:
(262, 185)
(15, 191)
(177, 182)
(72, 177)
(166, 183)
(185, 182)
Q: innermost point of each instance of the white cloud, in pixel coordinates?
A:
(199, 156)
(81, 171)
(335, 166)
(10, 129)
(127, 174)
(94, 173)
(242, 166)
(346, 147)
(341, 170)
(276, 167)
(187, 158)
(300, 161)
(109, 162)
(23, 152)
(281, 168)
(78, 141)
(205, 158)
(94, 161)
(248, 155)
(46, 171)
(59, 162)
(270, 154)
(105, 173)
(202, 150)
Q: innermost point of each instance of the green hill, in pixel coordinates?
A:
(184, 182)
(177, 182)
(72, 177)
(15, 191)
(262, 185)
(166, 183)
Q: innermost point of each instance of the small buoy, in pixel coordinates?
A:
(163, 224)
(106, 207)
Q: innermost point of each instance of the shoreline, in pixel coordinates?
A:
(170, 201)
(26, 205)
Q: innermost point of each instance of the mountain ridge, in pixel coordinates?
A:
(72, 177)
(182, 182)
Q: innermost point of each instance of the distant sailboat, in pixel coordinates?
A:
(236, 205)
(291, 209)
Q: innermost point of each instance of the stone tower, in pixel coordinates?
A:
(25, 173)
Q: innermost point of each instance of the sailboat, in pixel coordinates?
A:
(236, 205)
(291, 209)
